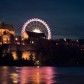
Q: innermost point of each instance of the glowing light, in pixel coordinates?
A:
(24, 35)
(14, 77)
(40, 21)
(25, 55)
(16, 39)
(14, 55)
(37, 75)
(37, 66)
(37, 31)
(64, 39)
(32, 42)
(77, 40)
(22, 39)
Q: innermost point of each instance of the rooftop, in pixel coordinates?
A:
(6, 26)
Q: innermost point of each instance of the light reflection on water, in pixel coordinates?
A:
(26, 75)
(41, 75)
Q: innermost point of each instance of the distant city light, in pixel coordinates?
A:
(16, 39)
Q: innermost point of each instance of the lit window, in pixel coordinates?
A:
(32, 42)
(22, 39)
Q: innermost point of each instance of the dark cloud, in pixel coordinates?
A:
(65, 17)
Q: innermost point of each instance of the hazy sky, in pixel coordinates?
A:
(65, 17)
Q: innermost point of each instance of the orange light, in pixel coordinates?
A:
(26, 55)
(14, 55)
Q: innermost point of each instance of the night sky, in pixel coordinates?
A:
(65, 17)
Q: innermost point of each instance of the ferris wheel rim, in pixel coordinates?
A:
(39, 20)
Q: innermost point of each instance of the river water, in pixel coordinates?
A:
(41, 75)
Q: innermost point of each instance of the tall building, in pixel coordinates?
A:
(6, 33)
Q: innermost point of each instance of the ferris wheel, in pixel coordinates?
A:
(38, 26)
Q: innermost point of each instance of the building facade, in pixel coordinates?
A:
(6, 33)
(19, 47)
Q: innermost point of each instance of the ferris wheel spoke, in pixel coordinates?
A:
(27, 27)
(42, 27)
(31, 26)
(36, 24)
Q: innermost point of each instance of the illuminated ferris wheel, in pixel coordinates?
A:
(38, 26)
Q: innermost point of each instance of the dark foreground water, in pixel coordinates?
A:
(41, 75)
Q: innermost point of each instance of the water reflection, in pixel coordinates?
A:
(14, 77)
(26, 75)
(8, 75)
(41, 75)
(33, 75)
(3, 75)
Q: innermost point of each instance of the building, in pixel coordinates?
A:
(6, 33)
(20, 48)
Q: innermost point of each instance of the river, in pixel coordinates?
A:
(41, 75)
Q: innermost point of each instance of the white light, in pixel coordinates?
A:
(37, 31)
(16, 39)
